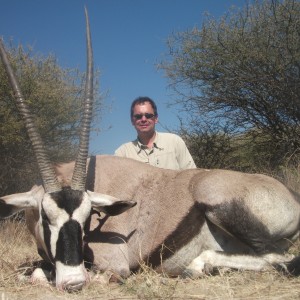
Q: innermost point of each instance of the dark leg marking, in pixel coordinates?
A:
(182, 235)
(236, 218)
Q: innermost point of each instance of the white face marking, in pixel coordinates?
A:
(82, 213)
(57, 217)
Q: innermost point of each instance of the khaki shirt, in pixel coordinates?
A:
(169, 152)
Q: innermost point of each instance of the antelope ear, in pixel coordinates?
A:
(11, 204)
(110, 205)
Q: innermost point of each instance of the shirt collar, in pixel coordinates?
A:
(139, 146)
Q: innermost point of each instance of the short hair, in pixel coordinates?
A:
(142, 100)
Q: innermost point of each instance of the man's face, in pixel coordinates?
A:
(143, 118)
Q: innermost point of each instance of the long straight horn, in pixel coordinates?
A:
(47, 172)
(79, 175)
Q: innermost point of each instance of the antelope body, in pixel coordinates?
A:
(186, 220)
(180, 222)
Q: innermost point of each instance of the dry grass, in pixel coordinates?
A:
(291, 177)
(17, 248)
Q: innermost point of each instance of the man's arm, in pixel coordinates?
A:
(185, 159)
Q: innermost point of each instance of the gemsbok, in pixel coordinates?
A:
(179, 222)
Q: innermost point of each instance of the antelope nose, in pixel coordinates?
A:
(71, 278)
(73, 284)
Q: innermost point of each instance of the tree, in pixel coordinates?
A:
(54, 95)
(244, 71)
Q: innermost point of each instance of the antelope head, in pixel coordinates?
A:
(61, 211)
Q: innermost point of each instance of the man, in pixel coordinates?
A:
(163, 150)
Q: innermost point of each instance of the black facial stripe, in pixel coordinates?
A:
(47, 234)
(69, 244)
(68, 199)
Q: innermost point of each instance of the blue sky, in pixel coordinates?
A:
(129, 39)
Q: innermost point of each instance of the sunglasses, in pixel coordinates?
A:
(140, 116)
